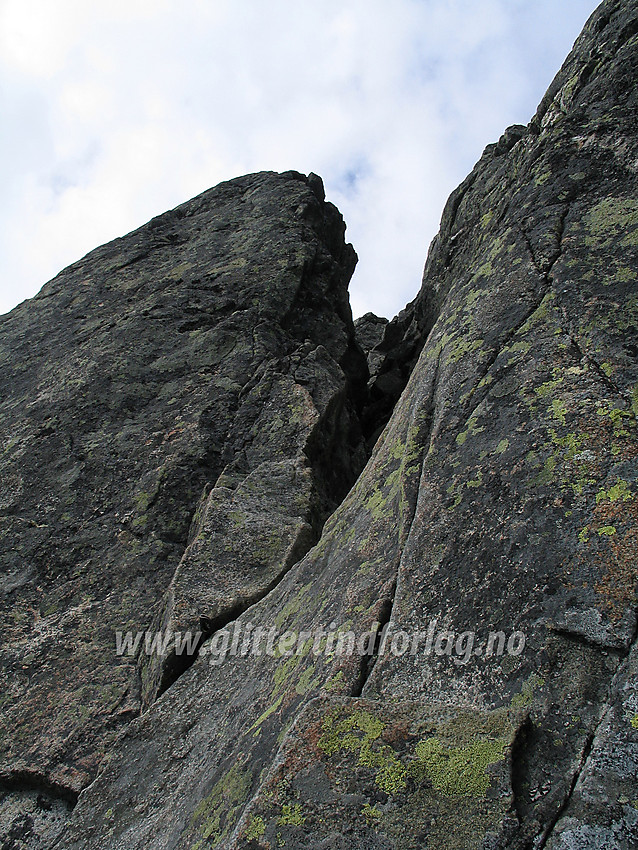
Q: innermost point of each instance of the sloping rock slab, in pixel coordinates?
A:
(364, 773)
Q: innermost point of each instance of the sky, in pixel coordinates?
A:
(111, 113)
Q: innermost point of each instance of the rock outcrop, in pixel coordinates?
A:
(452, 664)
(178, 419)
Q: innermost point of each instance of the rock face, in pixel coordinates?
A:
(178, 419)
(453, 664)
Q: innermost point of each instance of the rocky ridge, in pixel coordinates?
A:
(486, 551)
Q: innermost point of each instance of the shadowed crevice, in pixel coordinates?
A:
(29, 780)
(368, 661)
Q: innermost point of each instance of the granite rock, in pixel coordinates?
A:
(178, 417)
(441, 656)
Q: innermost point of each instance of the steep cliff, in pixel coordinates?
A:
(453, 664)
(178, 419)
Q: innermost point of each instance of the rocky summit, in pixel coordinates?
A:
(271, 578)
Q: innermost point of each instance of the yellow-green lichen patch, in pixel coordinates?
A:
(526, 695)
(352, 732)
(486, 218)
(577, 466)
(575, 459)
(335, 682)
(408, 769)
(255, 829)
(457, 757)
(568, 91)
(609, 542)
(472, 427)
(616, 523)
(460, 771)
(540, 314)
(456, 489)
(475, 483)
(548, 390)
(396, 450)
(541, 179)
(559, 410)
(463, 347)
(624, 274)
(371, 814)
(293, 606)
(634, 721)
(291, 815)
(486, 381)
(216, 815)
(266, 714)
(293, 675)
(177, 272)
(358, 732)
(615, 318)
(454, 760)
(307, 681)
(620, 490)
(611, 219)
(376, 503)
(400, 461)
(391, 776)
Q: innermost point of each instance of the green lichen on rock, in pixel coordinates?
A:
(611, 219)
(307, 681)
(408, 768)
(334, 682)
(526, 695)
(255, 829)
(216, 815)
(460, 771)
(452, 768)
(371, 814)
(343, 734)
(292, 607)
(376, 503)
(291, 815)
(464, 347)
(266, 714)
(392, 774)
(620, 490)
(472, 427)
(358, 732)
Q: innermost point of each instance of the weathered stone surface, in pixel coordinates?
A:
(210, 736)
(526, 519)
(370, 330)
(206, 361)
(360, 773)
(501, 497)
(603, 809)
(391, 349)
(461, 664)
(32, 819)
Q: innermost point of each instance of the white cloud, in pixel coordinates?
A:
(115, 112)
